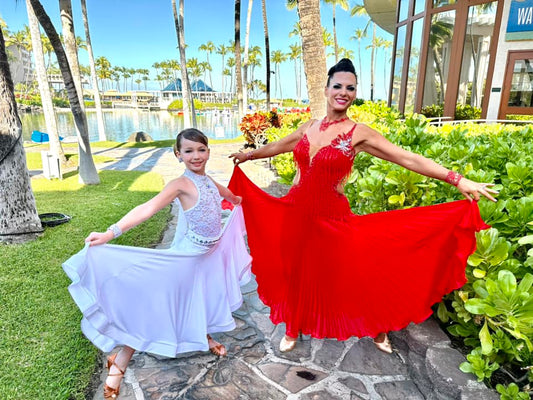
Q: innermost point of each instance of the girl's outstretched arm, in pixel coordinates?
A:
(138, 214)
(227, 194)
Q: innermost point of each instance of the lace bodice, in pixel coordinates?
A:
(204, 218)
(321, 175)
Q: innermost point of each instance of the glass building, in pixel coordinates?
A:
(468, 52)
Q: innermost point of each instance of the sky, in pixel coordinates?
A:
(137, 33)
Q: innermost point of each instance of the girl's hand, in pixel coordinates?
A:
(96, 238)
(238, 201)
(238, 158)
(473, 190)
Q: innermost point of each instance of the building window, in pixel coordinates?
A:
(522, 84)
(438, 57)
(476, 54)
(414, 61)
(398, 65)
(442, 3)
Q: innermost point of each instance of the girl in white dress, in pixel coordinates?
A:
(168, 301)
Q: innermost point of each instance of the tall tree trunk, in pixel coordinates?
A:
(97, 100)
(238, 70)
(335, 35)
(267, 54)
(245, 66)
(87, 172)
(189, 114)
(314, 55)
(44, 88)
(372, 62)
(19, 221)
(71, 49)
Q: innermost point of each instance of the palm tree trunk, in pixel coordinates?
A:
(19, 221)
(314, 55)
(238, 70)
(97, 100)
(335, 35)
(245, 66)
(44, 88)
(87, 170)
(372, 62)
(267, 55)
(189, 114)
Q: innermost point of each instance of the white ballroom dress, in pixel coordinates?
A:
(165, 301)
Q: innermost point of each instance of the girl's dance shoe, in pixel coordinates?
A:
(218, 349)
(109, 392)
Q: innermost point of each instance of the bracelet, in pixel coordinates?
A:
(250, 155)
(453, 178)
(116, 230)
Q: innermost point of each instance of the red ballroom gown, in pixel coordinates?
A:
(329, 273)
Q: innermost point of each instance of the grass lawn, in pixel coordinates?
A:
(43, 354)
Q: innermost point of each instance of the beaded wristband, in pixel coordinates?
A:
(453, 178)
(250, 155)
(116, 230)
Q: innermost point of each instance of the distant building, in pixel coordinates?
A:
(20, 64)
(469, 52)
(200, 90)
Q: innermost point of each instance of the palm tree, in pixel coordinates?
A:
(314, 55)
(267, 54)
(254, 60)
(328, 41)
(231, 65)
(188, 103)
(103, 70)
(19, 221)
(277, 58)
(295, 55)
(208, 47)
(344, 5)
(97, 100)
(87, 169)
(358, 35)
(246, 58)
(44, 88)
(360, 10)
(238, 70)
(223, 50)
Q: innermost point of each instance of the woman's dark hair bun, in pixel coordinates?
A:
(344, 65)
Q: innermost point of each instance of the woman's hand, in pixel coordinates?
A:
(239, 158)
(96, 238)
(473, 190)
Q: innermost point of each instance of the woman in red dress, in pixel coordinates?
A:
(329, 273)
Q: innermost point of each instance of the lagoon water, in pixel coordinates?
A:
(121, 123)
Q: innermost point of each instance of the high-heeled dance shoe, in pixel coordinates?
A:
(109, 392)
(384, 345)
(218, 349)
(287, 344)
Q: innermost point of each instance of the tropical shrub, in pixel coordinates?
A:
(253, 126)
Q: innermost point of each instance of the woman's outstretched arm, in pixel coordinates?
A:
(370, 141)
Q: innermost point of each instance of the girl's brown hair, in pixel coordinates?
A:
(191, 134)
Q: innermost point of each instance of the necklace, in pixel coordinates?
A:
(325, 124)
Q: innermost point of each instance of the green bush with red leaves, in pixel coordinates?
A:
(253, 126)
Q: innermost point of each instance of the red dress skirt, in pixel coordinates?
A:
(329, 273)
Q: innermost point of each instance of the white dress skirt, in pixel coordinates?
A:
(161, 301)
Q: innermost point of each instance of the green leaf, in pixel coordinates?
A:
(486, 339)
(442, 312)
(507, 283)
(479, 273)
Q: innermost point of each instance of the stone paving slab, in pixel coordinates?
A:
(423, 365)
